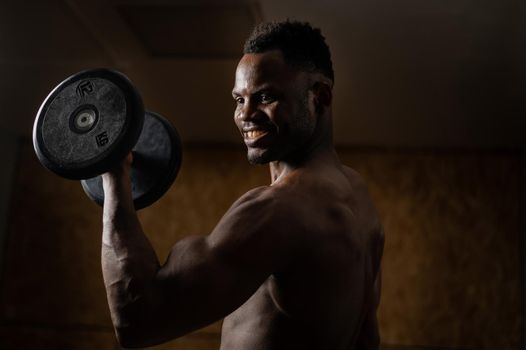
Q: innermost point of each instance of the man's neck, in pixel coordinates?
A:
(319, 156)
(318, 152)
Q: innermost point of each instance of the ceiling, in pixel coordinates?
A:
(409, 73)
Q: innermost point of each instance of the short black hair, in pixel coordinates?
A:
(301, 45)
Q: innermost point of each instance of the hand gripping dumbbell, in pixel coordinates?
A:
(91, 121)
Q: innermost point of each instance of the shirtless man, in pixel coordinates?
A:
(292, 265)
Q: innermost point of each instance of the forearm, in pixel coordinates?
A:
(129, 263)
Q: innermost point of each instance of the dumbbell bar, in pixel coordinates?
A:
(91, 121)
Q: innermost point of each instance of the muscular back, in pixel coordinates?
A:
(290, 266)
(323, 295)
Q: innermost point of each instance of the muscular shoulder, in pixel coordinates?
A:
(255, 224)
(355, 179)
(344, 194)
(267, 204)
(366, 207)
(260, 205)
(359, 189)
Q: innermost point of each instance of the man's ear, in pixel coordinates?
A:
(322, 95)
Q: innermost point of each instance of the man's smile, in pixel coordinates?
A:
(255, 136)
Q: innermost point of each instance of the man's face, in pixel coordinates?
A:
(274, 109)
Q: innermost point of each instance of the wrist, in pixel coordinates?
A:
(117, 190)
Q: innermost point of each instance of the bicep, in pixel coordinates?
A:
(212, 283)
(206, 278)
(196, 288)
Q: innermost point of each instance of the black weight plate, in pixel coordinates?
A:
(156, 161)
(87, 123)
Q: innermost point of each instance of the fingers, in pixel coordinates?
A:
(129, 159)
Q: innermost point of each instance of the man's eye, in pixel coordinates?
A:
(266, 98)
(239, 100)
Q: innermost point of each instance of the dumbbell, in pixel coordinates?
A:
(91, 121)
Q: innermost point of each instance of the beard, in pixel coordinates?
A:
(291, 140)
(256, 156)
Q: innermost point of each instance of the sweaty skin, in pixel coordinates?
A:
(292, 265)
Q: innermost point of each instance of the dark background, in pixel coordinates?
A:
(428, 107)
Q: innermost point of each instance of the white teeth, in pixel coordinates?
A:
(254, 134)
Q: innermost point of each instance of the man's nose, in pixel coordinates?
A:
(250, 112)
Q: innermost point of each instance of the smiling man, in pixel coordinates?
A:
(292, 265)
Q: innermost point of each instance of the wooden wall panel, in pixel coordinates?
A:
(451, 270)
(53, 273)
(451, 265)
